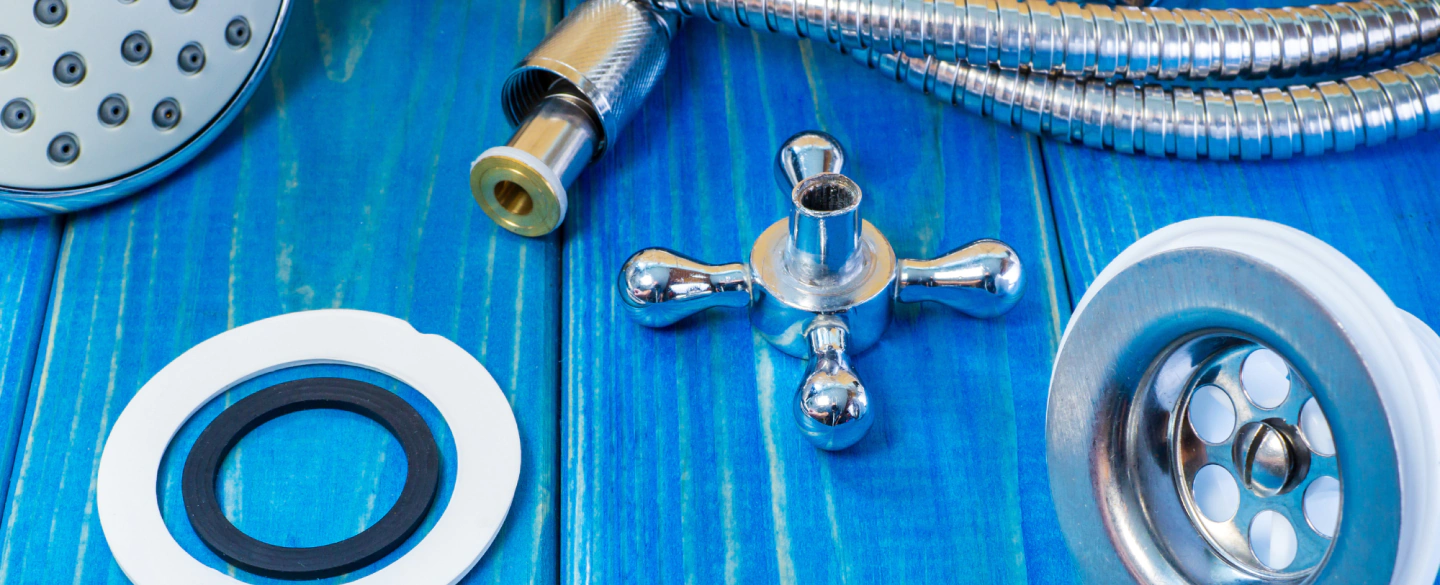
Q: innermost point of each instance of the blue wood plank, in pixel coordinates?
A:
(1377, 206)
(680, 458)
(27, 268)
(342, 185)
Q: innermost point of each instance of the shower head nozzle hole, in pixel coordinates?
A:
(191, 59)
(114, 110)
(237, 33)
(182, 5)
(136, 48)
(69, 69)
(9, 53)
(50, 12)
(64, 149)
(167, 114)
(18, 115)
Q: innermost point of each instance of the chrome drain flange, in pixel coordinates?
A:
(1235, 402)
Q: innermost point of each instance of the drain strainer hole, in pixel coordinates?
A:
(1322, 505)
(1316, 429)
(1216, 493)
(1212, 414)
(1272, 539)
(1266, 378)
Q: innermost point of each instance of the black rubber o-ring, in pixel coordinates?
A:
(202, 467)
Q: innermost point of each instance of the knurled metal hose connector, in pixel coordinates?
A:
(1097, 40)
(569, 98)
(1220, 125)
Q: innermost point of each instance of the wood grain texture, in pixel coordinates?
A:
(1378, 206)
(342, 185)
(681, 461)
(27, 267)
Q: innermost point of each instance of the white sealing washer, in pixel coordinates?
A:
(487, 441)
(1236, 402)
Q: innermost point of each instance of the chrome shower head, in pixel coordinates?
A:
(100, 99)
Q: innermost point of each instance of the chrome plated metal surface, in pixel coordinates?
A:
(1121, 451)
(821, 285)
(831, 408)
(805, 155)
(1235, 402)
(1236, 124)
(75, 78)
(1096, 40)
(570, 97)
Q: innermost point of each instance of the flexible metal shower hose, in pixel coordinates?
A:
(1220, 125)
(1049, 68)
(1098, 40)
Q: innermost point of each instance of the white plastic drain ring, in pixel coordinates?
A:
(487, 441)
(1139, 340)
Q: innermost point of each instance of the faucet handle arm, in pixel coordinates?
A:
(805, 155)
(832, 407)
(981, 279)
(660, 287)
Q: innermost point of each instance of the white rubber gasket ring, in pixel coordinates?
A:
(1400, 356)
(487, 440)
(533, 162)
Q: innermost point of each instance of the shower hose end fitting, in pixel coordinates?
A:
(568, 100)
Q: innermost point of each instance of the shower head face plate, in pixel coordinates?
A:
(174, 71)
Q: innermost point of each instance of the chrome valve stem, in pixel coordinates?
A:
(821, 285)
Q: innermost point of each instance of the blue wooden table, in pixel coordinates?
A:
(649, 456)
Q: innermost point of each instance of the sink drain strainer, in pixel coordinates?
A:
(1235, 401)
(101, 98)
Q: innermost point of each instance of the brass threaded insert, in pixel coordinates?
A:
(515, 195)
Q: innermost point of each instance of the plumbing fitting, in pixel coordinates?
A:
(820, 285)
(1236, 402)
(569, 98)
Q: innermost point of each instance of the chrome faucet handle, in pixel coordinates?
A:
(831, 406)
(821, 285)
(981, 279)
(660, 287)
(805, 155)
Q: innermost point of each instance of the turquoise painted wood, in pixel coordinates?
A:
(650, 455)
(1378, 206)
(27, 264)
(342, 185)
(681, 462)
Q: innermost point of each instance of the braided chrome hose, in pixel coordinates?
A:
(1098, 40)
(1220, 125)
